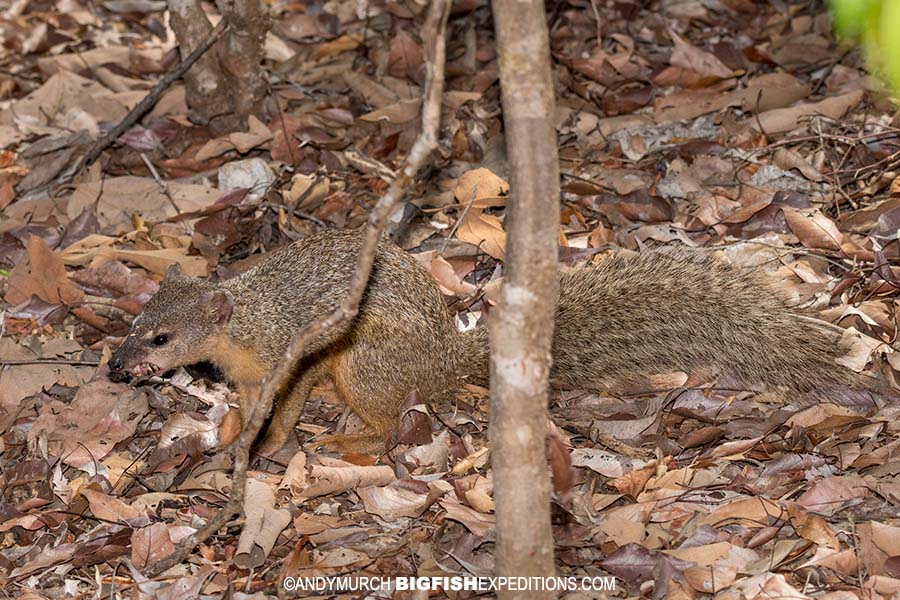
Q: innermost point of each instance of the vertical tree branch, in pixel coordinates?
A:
(433, 32)
(521, 328)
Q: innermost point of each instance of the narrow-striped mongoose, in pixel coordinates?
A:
(628, 317)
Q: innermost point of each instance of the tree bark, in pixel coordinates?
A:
(205, 90)
(242, 54)
(226, 86)
(521, 327)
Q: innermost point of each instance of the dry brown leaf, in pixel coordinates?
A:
(262, 525)
(787, 159)
(476, 460)
(478, 499)
(115, 199)
(710, 579)
(814, 229)
(449, 280)
(397, 113)
(150, 544)
(42, 275)
(243, 142)
(98, 249)
(482, 188)
(732, 450)
(49, 557)
(84, 431)
(294, 477)
(704, 555)
(66, 102)
(74, 62)
(830, 495)
(374, 93)
(104, 506)
(476, 522)
(749, 512)
(405, 55)
(812, 527)
(20, 381)
(484, 231)
(883, 585)
(860, 349)
(257, 135)
(608, 464)
(688, 56)
(886, 538)
(632, 484)
(621, 531)
(843, 561)
(188, 430)
(782, 120)
(393, 501)
(766, 92)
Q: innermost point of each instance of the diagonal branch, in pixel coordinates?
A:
(150, 100)
(434, 33)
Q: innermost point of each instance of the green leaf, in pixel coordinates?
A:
(852, 18)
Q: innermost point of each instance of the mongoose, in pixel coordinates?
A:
(628, 317)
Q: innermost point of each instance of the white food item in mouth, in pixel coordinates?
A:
(144, 369)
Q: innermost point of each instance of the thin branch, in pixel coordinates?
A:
(433, 32)
(49, 361)
(149, 101)
(162, 184)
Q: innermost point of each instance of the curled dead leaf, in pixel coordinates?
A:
(394, 501)
(262, 526)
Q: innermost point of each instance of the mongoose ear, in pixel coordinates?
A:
(173, 272)
(219, 304)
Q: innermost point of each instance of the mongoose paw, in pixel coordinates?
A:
(369, 442)
(270, 445)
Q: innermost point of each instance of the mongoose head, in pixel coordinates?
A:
(177, 326)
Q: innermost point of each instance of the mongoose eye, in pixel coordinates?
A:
(161, 340)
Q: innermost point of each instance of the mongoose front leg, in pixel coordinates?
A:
(288, 407)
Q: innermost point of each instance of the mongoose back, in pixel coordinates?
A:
(629, 317)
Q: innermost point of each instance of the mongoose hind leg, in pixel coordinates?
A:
(366, 380)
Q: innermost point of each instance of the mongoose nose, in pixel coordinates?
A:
(115, 363)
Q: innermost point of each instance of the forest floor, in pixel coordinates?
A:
(731, 124)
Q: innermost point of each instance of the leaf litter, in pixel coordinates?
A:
(733, 125)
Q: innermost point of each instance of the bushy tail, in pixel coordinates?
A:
(678, 311)
(474, 356)
(662, 312)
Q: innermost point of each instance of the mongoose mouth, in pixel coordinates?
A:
(143, 370)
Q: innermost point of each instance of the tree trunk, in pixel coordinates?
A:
(205, 90)
(242, 55)
(521, 327)
(227, 84)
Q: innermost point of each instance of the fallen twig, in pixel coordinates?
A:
(49, 361)
(150, 100)
(434, 33)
